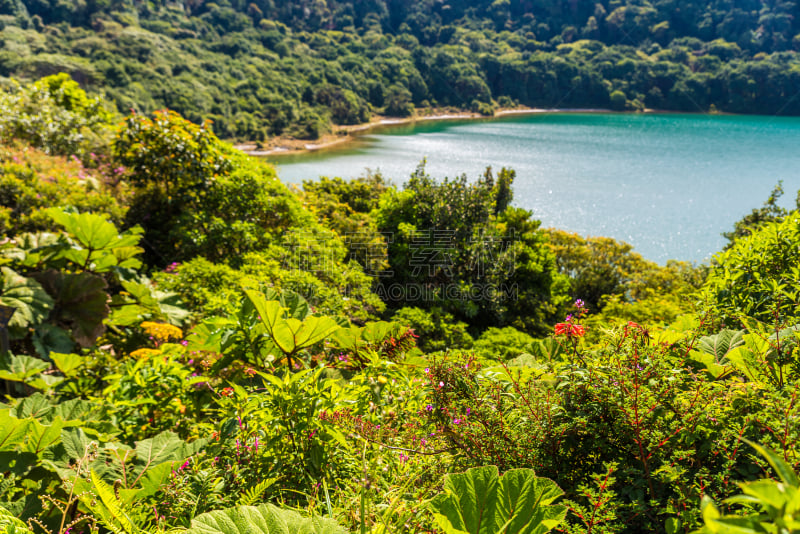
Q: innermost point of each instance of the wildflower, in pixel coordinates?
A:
(456, 421)
(226, 392)
(144, 354)
(570, 330)
(427, 370)
(429, 408)
(250, 371)
(441, 384)
(382, 380)
(162, 331)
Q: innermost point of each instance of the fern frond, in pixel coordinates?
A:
(109, 510)
(252, 495)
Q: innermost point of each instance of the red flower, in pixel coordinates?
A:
(569, 330)
(226, 392)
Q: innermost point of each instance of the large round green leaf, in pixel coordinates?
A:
(264, 519)
(31, 301)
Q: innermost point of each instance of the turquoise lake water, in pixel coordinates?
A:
(667, 184)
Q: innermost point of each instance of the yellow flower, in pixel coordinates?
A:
(162, 331)
(145, 353)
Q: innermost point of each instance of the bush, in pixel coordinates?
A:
(56, 115)
(758, 276)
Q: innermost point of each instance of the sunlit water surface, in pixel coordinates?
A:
(667, 184)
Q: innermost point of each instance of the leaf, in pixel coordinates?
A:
(11, 525)
(480, 502)
(73, 410)
(264, 519)
(48, 338)
(12, 430)
(547, 350)
(109, 508)
(269, 311)
(80, 302)
(165, 447)
(154, 478)
(40, 436)
(75, 442)
(291, 334)
(470, 501)
(26, 295)
(67, 363)
(20, 368)
(295, 305)
(720, 344)
(36, 406)
(523, 500)
(784, 470)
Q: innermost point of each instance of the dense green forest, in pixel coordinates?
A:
(196, 347)
(265, 68)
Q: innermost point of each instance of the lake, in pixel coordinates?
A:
(668, 184)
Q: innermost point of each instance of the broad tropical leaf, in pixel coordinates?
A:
(81, 303)
(20, 368)
(12, 430)
(264, 519)
(720, 344)
(269, 311)
(27, 296)
(480, 502)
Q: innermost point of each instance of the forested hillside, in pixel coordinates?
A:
(266, 68)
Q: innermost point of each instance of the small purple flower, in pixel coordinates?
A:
(429, 408)
(456, 421)
(469, 411)
(427, 370)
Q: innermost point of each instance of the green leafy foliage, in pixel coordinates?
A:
(11, 525)
(115, 420)
(265, 519)
(479, 501)
(757, 277)
(31, 302)
(450, 251)
(54, 114)
(774, 504)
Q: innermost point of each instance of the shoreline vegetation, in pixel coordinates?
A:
(342, 136)
(345, 134)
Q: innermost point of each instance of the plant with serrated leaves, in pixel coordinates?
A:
(481, 502)
(264, 519)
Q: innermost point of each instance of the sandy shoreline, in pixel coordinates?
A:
(346, 134)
